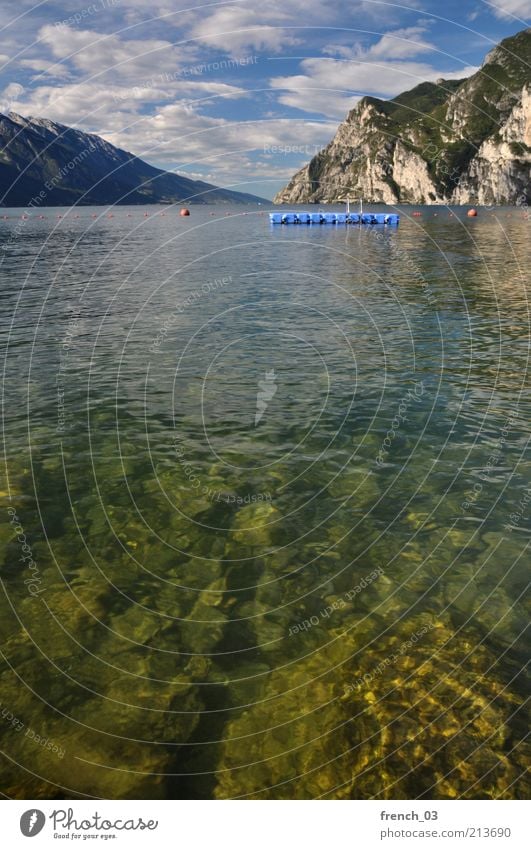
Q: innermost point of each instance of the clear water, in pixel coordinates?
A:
(266, 506)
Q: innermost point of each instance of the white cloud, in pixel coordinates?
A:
(235, 29)
(101, 55)
(179, 135)
(85, 105)
(223, 152)
(13, 90)
(139, 93)
(312, 93)
(385, 69)
(200, 138)
(280, 24)
(106, 106)
(45, 68)
(511, 8)
(190, 91)
(338, 50)
(8, 97)
(401, 44)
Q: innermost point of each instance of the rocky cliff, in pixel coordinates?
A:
(453, 141)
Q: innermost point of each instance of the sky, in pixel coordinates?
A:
(239, 93)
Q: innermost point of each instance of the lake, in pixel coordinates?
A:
(266, 505)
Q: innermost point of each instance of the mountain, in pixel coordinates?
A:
(453, 141)
(47, 164)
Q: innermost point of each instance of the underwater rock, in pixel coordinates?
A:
(45, 746)
(253, 524)
(203, 628)
(270, 629)
(136, 624)
(392, 729)
(280, 742)
(358, 487)
(246, 684)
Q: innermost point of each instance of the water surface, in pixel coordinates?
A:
(266, 505)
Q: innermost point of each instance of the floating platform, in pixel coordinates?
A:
(334, 218)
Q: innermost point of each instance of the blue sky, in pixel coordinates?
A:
(238, 93)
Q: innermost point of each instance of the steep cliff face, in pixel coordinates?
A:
(454, 141)
(500, 172)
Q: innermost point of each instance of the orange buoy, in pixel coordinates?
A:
(185, 212)
(472, 213)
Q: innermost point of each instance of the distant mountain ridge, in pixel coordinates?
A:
(453, 141)
(43, 163)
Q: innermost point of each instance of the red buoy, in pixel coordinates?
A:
(472, 213)
(185, 212)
